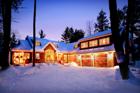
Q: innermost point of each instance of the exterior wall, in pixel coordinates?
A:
(100, 59)
(41, 57)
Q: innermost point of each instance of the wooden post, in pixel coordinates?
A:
(34, 33)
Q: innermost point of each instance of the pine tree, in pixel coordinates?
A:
(14, 40)
(70, 35)
(42, 34)
(66, 35)
(102, 22)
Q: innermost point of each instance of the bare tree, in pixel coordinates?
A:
(89, 28)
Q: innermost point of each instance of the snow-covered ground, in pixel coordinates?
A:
(55, 78)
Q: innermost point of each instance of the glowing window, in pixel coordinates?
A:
(37, 43)
(93, 43)
(104, 41)
(27, 55)
(37, 56)
(84, 45)
(76, 46)
(65, 58)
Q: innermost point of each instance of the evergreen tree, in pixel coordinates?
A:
(14, 40)
(122, 15)
(102, 22)
(13, 43)
(42, 34)
(66, 35)
(78, 34)
(70, 35)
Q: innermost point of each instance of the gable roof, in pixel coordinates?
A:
(27, 44)
(50, 43)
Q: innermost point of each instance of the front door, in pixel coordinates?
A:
(49, 55)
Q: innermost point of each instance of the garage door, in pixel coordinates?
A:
(100, 60)
(86, 60)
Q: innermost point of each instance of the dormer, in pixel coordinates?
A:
(37, 43)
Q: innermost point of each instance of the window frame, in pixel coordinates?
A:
(94, 43)
(104, 38)
(83, 43)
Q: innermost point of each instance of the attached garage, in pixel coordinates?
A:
(100, 60)
(86, 60)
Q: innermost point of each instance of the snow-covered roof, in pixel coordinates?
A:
(62, 46)
(98, 34)
(27, 44)
(23, 45)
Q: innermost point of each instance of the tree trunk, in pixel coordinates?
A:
(118, 44)
(34, 33)
(6, 14)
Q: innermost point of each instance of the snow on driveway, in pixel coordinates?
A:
(55, 78)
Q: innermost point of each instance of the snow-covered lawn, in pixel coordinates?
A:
(55, 78)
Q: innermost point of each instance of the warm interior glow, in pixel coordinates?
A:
(93, 43)
(59, 56)
(49, 55)
(79, 57)
(104, 41)
(37, 56)
(37, 43)
(84, 45)
(110, 55)
(20, 58)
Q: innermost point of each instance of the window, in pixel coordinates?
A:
(37, 43)
(66, 58)
(84, 45)
(37, 56)
(93, 43)
(104, 41)
(27, 55)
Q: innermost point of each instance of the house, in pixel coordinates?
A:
(95, 50)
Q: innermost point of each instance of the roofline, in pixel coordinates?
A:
(50, 44)
(96, 52)
(94, 37)
(19, 50)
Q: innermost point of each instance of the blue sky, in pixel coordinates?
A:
(54, 15)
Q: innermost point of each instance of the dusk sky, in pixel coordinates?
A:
(53, 16)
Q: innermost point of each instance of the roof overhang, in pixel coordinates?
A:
(96, 37)
(50, 43)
